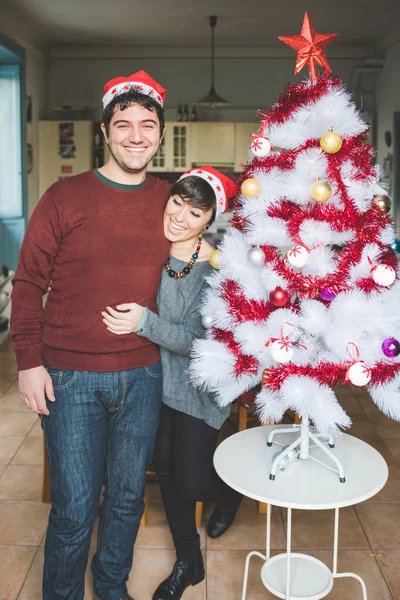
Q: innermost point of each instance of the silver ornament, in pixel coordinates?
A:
(256, 256)
(207, 321)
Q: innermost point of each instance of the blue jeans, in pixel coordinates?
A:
(100, 431)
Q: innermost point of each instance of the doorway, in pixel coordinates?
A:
(13, 181)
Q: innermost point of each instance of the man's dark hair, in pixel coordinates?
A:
(122, 101)
(197, 192)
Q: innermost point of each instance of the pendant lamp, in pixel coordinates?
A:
(212, 100)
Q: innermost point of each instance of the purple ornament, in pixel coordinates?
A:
(391, 347)
(327, 294)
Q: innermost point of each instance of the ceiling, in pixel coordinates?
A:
(177, 22)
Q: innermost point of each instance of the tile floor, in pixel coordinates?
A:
(369, 534)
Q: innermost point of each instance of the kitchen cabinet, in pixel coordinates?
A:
(212, 143)
(174, 152)
(242, 143)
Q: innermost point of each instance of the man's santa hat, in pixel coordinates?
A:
(140, 82)
(223, 187)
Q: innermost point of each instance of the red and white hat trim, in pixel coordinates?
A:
(140, 82)
(122, 88)
(216, 184)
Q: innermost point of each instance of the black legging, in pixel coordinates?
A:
(184, 463)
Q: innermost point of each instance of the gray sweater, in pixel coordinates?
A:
(174, 329)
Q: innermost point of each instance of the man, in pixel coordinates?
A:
(98, 237)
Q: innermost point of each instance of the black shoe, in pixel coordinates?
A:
(222, 518)
(184, 573)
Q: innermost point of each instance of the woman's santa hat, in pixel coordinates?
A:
(224, 188)
(140, 82)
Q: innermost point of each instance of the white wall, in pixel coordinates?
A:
(249, 78)
(388, 97)
(388, 103)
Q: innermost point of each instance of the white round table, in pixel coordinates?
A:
(244, 462)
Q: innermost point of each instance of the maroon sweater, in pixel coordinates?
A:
(100, 244)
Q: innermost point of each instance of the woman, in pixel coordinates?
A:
(189, 420)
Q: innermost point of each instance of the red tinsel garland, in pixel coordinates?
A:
(326, 373)
(294, 215)
(226, 337)
(244, 363)
(238, 222)
(241, 308)
(300, 94)
(284, 161)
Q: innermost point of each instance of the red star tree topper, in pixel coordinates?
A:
(309, 46)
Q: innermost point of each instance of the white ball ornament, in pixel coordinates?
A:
(256, 256)
(281, 351)
(384, 275)
(359, 374)
(207, 321)
(260, 147)
(298, 256)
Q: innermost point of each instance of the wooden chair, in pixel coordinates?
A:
(245, 413)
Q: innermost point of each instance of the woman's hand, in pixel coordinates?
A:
(125, 322)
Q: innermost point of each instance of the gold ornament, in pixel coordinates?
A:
(250, 188)
(321, 191)
(382, 202)
(214, 259)
(331, 142)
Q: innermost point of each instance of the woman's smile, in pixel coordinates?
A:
(174, 227)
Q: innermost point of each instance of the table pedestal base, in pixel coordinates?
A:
(302, 445)
(310, 579)
(294, 576)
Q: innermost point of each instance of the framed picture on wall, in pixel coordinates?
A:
(66, 141)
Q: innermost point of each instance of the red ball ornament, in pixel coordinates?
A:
(279, 297)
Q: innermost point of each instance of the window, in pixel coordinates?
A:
(11, 194)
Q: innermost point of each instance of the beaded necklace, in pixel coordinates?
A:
(189, 266)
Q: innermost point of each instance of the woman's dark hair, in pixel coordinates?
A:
(124, 100)
(197, 192)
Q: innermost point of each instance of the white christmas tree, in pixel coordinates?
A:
(307, 292)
